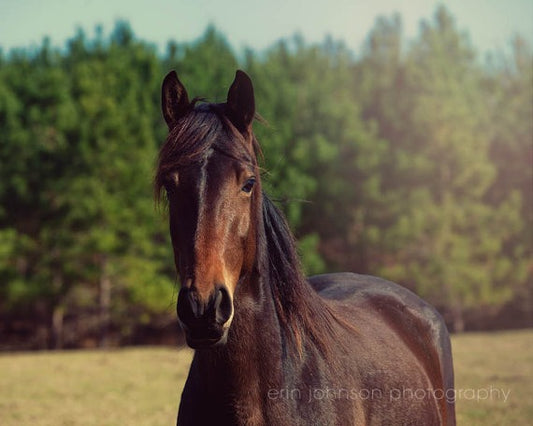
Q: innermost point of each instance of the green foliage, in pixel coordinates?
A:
(409, 161)
(442, 237)
(79, 155)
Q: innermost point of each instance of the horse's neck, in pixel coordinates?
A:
(255, 343)
(260, 375)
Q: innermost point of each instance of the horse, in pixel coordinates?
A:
(272, 347)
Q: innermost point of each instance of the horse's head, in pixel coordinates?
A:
(209, 170)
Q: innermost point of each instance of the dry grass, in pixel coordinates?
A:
(142, 386)
(132, 386)
(487, 368)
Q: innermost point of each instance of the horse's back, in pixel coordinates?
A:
(414, 320)
(364, 289)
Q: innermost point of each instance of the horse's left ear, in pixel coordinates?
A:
(241, 102)
(174, 99)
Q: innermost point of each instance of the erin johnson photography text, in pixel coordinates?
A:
(489, 393)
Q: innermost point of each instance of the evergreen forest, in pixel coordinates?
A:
(408, 159)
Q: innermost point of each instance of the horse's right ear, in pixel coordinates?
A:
(174, 100)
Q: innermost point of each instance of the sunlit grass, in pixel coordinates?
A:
(142, 386)
(132, 386)
(488, 367)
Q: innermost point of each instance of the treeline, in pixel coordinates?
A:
(412, 161)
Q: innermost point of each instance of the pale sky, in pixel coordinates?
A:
(256, 24)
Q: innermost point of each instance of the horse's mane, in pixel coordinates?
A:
(300, 310)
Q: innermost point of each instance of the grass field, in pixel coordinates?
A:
(494, 382)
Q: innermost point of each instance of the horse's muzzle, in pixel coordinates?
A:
(205, 321)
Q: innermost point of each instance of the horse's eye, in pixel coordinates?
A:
(249, 185)
(171, 181)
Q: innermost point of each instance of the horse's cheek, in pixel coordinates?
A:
(243, 225)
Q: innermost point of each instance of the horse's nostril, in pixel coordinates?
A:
(191, 308)
(197, 306)
(223, 305)
(184, 306)
(218, 298)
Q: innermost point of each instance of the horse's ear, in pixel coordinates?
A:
(241, 102)
(174, 100)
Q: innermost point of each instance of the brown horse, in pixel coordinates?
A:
(273, 348)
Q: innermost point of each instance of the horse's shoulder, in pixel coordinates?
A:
(415, 320)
